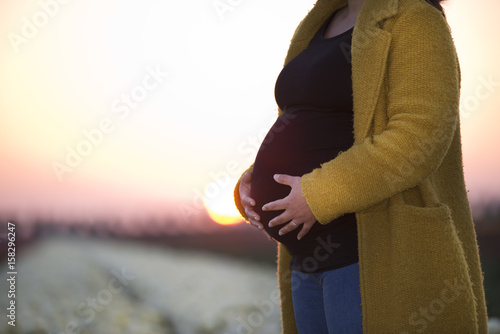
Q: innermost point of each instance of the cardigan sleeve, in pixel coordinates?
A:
(422, 90)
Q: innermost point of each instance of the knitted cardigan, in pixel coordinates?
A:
(403, 177)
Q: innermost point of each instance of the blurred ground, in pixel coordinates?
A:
(98, 278)
(75, 285)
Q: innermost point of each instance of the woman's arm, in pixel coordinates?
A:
(423, 84)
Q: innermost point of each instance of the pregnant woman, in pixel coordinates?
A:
(360, 179)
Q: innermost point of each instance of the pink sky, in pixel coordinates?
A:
(190, 125)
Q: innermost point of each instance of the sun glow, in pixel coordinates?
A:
(219, 202)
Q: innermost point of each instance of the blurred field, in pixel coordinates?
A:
(96, 278)
(90, 286)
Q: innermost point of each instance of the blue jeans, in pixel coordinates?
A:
(327, 302)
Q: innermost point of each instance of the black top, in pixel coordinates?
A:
(319, 78)
(314, 90)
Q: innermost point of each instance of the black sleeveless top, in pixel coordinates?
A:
(314, 90)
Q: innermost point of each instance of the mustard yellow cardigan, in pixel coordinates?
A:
(403, 177)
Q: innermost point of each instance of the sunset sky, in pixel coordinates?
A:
(145, 109)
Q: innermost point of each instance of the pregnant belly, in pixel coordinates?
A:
(296, 144)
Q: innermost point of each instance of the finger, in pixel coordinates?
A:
(304, 230)
(251, 214)
(280, 220)
(284, 179)
(247, 200)
(247, 177)
(276, 205)
(288, 228)
(256, 223)
(267, 234)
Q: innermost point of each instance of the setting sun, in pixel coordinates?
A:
(219, 202)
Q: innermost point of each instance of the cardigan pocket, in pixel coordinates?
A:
(424, 245)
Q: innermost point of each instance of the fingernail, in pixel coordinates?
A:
(280, 232)
(260, 227)
(298, 238)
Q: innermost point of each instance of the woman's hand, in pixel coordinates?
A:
(248, 202)
(297, 210)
